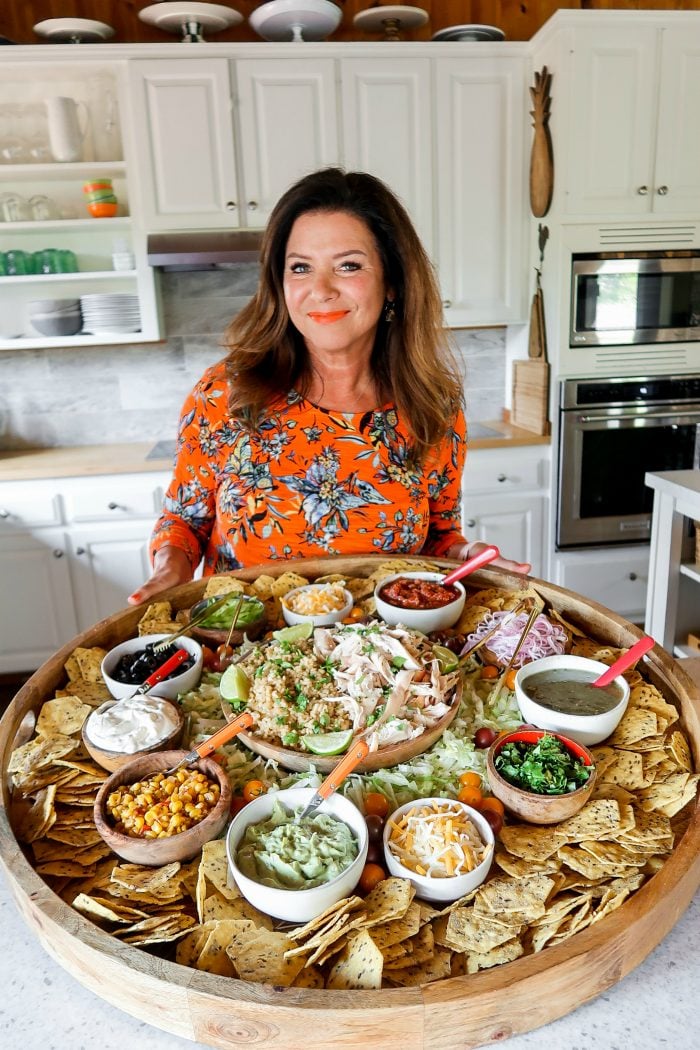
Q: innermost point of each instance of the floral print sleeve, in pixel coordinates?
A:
(308, 483)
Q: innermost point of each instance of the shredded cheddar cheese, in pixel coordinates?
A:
(439, 840)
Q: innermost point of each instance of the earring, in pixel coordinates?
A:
(389, 311)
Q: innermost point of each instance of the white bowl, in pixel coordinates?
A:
(436, 889)
(584, 729)
(172, 687)
(317, 619)
(297, 905)
(425, 620)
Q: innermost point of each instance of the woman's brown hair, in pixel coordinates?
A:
(412, 363)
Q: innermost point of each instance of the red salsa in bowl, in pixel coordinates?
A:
(406, 592)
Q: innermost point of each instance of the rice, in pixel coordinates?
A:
(317, 599)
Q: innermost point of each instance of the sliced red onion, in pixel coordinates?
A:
(543, 639)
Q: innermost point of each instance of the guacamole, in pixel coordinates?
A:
(296, 856)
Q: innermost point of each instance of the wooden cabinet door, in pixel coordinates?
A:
(184, 137)
(676, 189)
(108, 562)
(481, 182)
(612, 121)
(388, 130)
(288, 119)
(37, 612)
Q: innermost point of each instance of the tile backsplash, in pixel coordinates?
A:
(115, 394)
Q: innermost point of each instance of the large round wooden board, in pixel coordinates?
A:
(453, 1014)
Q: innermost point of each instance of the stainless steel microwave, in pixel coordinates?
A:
(625, 297)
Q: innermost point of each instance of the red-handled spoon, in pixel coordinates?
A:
(171, 664)
(626, 660)
(472, 564)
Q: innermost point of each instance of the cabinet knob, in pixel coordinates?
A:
(58, 553)
(662, 191)
(501, 478)
(4, 514)
(231, 205)
(114, 506)
(80, 550)
(252, 205)
(643, 190)
(447, 303)
(470, 523)
(632, 576)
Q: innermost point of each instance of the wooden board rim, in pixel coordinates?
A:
(455, 1013)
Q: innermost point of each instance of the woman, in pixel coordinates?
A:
(334, 426)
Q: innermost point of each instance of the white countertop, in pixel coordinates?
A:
(44, 1008)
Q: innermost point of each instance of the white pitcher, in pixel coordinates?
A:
(66, 134)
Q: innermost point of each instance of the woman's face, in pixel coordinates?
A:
(334, 283)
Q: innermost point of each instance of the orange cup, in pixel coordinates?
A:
(100, 210)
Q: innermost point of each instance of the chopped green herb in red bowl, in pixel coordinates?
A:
(540, 777)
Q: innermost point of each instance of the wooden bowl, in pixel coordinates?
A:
(529, 806)
(180, 847)
(393, 755)
(114, 760)
(214, 637)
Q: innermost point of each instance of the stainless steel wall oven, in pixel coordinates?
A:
(611, 432)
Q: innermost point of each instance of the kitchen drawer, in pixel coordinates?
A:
(616, 578)
(28, 505)
(504, 470)
(115, 498)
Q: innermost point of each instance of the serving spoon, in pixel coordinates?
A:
(626, 660)
(485, 556)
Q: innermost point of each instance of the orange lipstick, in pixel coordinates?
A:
(329, 316)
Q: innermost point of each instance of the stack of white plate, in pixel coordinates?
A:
(110, 313)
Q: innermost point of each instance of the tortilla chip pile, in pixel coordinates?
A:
(547, 883)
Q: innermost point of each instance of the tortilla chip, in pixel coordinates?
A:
(420, 949)
(360, 965)
(520, 867)
(394, 931)
(436, 969)
(286, 583)
(90, 663)
(468, 931)
(596, 820)
(309, 977)
(262, 958)
(627, 771)
(32, 819)
(526, 841)
(502, 954)
(637, 723)
(217, 907)
(189, 948)
(679, 749)
(64, 715)
(39, 752)
(515, 901)
(389, 899)
(346, 904)
(214, 866)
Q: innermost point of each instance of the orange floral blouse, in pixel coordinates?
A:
(308, 483)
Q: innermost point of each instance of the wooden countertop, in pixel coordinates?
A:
(91, 460)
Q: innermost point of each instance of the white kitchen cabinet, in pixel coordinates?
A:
(71, 551)
(616, 577)
(634, 98)
(673, 599)
(288, 119)
(183, 129)
(388, 130)
(505, 501)
(481, 175)
(45, 201)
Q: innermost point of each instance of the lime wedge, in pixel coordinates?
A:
(329, 743)
(298, 633)
(447, 660)
(234, 684)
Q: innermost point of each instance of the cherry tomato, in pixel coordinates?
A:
(224, 651)
(489, 671)
(375, 827)
(494, 819)
(376, 803)
(371, 875)
(253, 789)
(208, 657)
(237, 804)
(375, 853)
(484, 737)
(471, 796)
(470, 779)
(509, 680)
(493, 804)
(356, 614)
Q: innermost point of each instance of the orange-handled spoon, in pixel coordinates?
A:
(222, 736)
(626, 660)
(358, 751)
(472, 564)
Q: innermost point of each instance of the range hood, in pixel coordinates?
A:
(206, 250)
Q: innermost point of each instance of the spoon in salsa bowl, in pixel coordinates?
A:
(488, 554)
(633, 654)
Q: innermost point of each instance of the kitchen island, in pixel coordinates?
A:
(44, 1007)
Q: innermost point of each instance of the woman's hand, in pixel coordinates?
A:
(171, 566)
(464, 551)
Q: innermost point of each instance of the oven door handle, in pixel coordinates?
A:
(640, 417)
